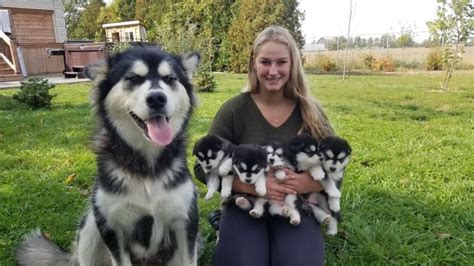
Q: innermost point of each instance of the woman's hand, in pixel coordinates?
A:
(275, 189)
(302, 183)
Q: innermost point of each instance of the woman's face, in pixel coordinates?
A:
(272, 64)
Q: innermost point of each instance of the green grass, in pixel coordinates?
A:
(408, 192)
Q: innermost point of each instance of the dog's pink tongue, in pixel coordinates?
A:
(159, 131)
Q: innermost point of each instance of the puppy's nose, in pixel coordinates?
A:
(332, 168)
(248, 180)
(272, 160)
(208, 167)
(156, 99)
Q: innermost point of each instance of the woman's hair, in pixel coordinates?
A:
(315, 121)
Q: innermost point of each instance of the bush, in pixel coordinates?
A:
(434, 60)
(35, 93)
(368, 60)
(384, 64)
(326, 63)
(205, 82)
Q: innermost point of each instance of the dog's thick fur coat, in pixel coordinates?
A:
(143, 207)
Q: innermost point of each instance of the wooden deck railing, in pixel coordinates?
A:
(8, 52)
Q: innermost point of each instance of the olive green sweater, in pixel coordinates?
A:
(240, 121)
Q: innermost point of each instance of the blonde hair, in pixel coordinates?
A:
(315, 122)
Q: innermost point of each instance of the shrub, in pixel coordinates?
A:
(326, 63)
(205, 82)
(368, 60)
(35, 93)
(434, 60)
(384, 64)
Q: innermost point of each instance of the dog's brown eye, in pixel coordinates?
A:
(169, 79)
(136, 79)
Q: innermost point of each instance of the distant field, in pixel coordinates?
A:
(411, 56)
(407, 194)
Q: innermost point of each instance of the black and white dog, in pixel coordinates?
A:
(276, 160)
(214, 153)
(143, 207)
(249, 162)
(334, 155)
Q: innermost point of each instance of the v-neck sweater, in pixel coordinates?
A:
(240, 121)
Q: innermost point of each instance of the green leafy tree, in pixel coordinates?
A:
(452, 27)
(72, 11)
(88, 27)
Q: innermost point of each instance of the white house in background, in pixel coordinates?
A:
(127, 31)
(319, 45)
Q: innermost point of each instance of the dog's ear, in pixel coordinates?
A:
(96, 72)
(190, 63)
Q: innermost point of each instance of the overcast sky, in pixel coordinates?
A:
(330, 17)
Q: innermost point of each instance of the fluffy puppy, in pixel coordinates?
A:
(249, 162)
(336, 156)
(276, 160)
(212, 153)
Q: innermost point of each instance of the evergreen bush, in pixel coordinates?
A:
(35, 93)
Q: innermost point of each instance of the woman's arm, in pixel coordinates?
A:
(275, 189)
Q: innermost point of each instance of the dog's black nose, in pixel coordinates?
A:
(208, 167)
(272, 160)
(332, 168)
(248, 180)
(156, 99)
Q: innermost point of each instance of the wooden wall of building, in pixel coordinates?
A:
(37, 60)
(33, 26)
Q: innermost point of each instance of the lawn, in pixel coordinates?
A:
(407, 195)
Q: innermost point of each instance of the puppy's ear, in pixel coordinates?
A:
(190, 63)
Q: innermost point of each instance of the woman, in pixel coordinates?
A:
(277, 105)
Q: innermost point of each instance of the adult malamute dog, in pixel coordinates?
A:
(143, 206)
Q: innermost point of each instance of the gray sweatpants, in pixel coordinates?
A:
(272, 241)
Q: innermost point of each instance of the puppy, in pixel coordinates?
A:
(249, 162)
(336, 156)
(276, 160)
(214, 154)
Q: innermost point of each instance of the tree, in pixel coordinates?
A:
(87, 26)
(72, 11)
(452, 27)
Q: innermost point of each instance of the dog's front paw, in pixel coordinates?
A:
(209, 195)
(225, 193)
(333, 193)
(261, 190)
(317, 173)
(325, 219)
(280, 175)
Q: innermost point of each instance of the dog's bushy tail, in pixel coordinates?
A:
(36, 249)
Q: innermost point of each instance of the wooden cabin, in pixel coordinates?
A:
(127, 31)
(28, 29)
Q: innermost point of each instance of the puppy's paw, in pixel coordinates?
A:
(333, 193)
(317, 173)
(225, 193)
(285, 211)
(209, 195)
(334, 204)
(280, 175)
(331, 232)
(255, 213)
(295, 219)
(243, 203)
(325, 219)
(261, 190)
